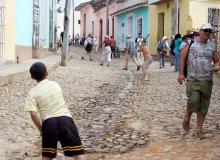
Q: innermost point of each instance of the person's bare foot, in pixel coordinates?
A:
(186, 125)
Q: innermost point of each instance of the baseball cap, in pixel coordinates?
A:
(165, 37)
(206, 26)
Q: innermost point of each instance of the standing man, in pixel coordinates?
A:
(139, 54)
(113, 45)
(199, 76)
(130, 52)
(162, 49)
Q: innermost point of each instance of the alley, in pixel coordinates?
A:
(118, 115)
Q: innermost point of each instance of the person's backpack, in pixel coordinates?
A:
(161, 46)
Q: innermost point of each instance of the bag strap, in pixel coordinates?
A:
(187, 55)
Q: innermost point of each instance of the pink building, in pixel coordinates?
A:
(93, 19)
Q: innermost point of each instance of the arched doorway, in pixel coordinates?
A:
(100, 31)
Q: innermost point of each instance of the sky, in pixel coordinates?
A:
(77, 2)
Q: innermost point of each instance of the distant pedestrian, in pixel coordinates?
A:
(56, 122)
(172, 47)
(95, 44)
(147, 59)
(106, 54)
(130, 52)
(88, 47)
(113, 46)
(199, 57)
(162, 49)
(178, 41)
(139, 55)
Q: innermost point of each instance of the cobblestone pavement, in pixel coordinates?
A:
(118, 115)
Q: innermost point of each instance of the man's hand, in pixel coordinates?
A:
(181, 79)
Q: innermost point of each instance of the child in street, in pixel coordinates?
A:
(147, 59)
(55, 122)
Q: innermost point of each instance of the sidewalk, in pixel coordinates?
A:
(15, 72)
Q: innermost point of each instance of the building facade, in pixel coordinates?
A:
(192, 13)
(93, 19)
(26, 33)
(7, 31)
(132, 18)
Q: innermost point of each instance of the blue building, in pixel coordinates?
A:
(132, 18)
(35, 28)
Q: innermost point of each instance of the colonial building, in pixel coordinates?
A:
(26, 33)
(7, 31)
(192, 13)
(132, 18)
(93, 19)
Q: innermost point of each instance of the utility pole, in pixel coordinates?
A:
(176, 17)
(73, 20)
(107, 17)
(65, 47)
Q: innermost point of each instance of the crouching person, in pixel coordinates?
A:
(55, 122)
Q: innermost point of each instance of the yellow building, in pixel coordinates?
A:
(7, 31)
(192, 13)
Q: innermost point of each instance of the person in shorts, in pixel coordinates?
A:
(147, 59)
(200, 56)
(55, 122)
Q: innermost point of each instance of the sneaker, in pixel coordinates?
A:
(107, 65)
(82, 58)
(138, 67)
(91, 59)
(101, 64)
(146, 79)
(125, 68)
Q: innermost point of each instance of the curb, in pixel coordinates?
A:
(24, 73)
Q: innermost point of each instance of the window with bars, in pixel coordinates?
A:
(139, 25)
(122, 33)
(130, 25)
(2, 28)
(214, 16)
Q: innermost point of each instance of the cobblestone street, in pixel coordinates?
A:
(119, 116)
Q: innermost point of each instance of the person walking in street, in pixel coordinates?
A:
(178, 41)
(130, 52)
(113, 46)
(95, 44)
(172, 47)
(106, 54)
(56, 122)
(147, 59)
(88, 47)
(139, 54)
(162, 49)
(198, 59)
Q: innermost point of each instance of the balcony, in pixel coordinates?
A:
(156, 1)
(123, 4)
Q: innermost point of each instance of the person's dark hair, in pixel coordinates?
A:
(177, 36)
(111, 36)
(38, 71)
(185, 37)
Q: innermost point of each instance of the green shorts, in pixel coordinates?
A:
(199, 95)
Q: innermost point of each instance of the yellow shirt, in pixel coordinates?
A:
(47, 99)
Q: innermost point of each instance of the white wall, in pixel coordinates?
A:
(60, 23)
(198, 10)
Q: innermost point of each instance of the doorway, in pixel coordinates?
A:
(160, 26)
(100, 32)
